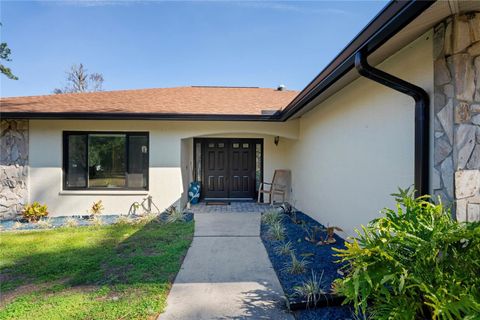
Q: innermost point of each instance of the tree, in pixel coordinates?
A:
(5, 55)
(79, 80)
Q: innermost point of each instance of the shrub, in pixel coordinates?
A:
(147, 218)
(276, 231)
(124, 220)
(97, 208)
(311, 290)
(44, 223)
(296, 266)
(175, 215)
(272, 217)
(34, 211)
(96, 221)
(284, 248)
(414, 262)
(71, 223)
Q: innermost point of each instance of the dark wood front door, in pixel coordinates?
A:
(228, 168)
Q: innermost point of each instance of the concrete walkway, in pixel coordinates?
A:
(226, 273)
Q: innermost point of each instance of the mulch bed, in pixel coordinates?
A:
(322, 260)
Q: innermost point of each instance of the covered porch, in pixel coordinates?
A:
(231, 167)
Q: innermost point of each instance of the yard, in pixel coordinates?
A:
(121, 271)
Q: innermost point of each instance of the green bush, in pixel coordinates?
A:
(33, 212)
(414, 262)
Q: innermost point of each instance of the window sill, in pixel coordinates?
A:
(105, 192)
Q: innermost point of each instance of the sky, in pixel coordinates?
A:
(151, 44)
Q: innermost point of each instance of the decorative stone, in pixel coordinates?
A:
(461, 210)
(473, 212)
(442, 149)
(475, 108)
(464, 76)
(439, 134)
(474, 162)
(447, 176)
(438, 40)
(447, 48)
(474, 49)
(448, 90)
(467, 183)
(443, 197)
(439, 101)
(461, 34)
(13, 167)
(442, 74)
(436, 183)
(474, 22)
(462, 113)
(445, 116)
(476, 119)
(464, 143)
(477, 70)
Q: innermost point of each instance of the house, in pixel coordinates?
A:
(350, 137)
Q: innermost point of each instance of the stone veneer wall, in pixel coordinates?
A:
(456, 176)
(13, 167)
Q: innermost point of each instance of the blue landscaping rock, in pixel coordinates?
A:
(321, 259)
(327, 313)
(81, 220)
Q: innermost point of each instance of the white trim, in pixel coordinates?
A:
(105, 192)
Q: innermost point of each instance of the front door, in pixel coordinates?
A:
(229, 168)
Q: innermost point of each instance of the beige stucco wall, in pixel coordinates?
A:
(346, 156)
(170, 159)
(357, 147)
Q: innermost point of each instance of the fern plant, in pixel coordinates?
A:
(413, 262)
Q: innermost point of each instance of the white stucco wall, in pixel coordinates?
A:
(357, 147)
(170, 159)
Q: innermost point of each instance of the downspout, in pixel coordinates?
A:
(422, 117)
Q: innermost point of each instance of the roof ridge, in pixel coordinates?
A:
(138, 90)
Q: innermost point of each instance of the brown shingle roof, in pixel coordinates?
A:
(181, 100)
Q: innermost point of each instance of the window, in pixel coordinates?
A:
(105, 160)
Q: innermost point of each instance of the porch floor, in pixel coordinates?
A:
(239, 206)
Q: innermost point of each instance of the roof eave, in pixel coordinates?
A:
(137, 116)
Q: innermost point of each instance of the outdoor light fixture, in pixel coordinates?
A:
(276, 140)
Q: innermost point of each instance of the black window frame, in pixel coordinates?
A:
(66, 134)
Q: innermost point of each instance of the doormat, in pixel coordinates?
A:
(217, 203)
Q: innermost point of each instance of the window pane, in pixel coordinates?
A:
(258, 165)
(106, 160)
(137, 161)
(198, 161)
(76, 161)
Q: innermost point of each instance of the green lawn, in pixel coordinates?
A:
(108, 272)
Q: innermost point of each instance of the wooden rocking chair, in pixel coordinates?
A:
(279, 186)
